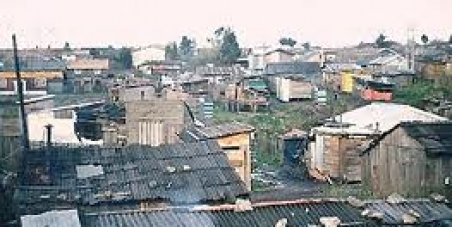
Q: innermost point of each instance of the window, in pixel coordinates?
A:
(3, 83)
(40, 83)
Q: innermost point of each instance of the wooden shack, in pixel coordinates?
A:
(234, 138)
(289, 88)
(412, 159)
(334, 153)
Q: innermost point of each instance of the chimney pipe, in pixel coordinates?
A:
(49, 135)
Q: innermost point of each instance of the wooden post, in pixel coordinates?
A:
(25, 141)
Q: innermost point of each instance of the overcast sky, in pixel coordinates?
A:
(141, 22)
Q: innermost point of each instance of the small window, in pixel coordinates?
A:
(3, 83)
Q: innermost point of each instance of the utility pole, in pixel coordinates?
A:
(25, 141)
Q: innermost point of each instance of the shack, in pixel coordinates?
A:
(334, 148)
(235, 140)
(411, 159)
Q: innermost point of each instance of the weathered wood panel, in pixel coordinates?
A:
(399, 164)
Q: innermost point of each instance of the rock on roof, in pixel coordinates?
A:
(295, 213)
(217, 131)
(176, 173)
(419, 211)
(304, 68)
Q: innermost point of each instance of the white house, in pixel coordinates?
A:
(148, 54)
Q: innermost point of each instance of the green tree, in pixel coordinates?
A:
(125, 58)
(307, 45)
(287, 41)
(381, 41)
(424, 39)
(171, 51)
(186, 47)
(229, 46)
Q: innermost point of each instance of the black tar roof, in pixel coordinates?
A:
(304, 68)
(178, 173)
(434, 137)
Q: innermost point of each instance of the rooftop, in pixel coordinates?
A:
(219, 70)
(217, 131)
(434, 137)
(177, 173)
(379, 117)
(295, 213)
(305, 68)
(89, 64)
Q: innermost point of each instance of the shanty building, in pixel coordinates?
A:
(134, 177)
(235, 140)
(411, 159)
(292, 80)
(155, 122)
(334, 148)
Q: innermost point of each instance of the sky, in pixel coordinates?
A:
(329, 23)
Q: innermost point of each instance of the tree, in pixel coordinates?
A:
(381, 41)
(229, 47)
(287, 41)
(125, 58)
(67, 46)
(424, 39)
(307, 45)
(171, 51)
(186, 47)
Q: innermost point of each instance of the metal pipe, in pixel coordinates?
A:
(49, 135)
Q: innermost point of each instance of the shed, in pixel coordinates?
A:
(411, 159)
(334, 149)
(235, 140)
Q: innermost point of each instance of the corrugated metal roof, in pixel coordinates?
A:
(436, 138)
(219, 71)
(216, 131)
(304, 68)
(66, 218)
(386, 115)
(423, 211)
(299, 213)
(178, 173)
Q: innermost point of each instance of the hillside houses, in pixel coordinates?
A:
(293, 80)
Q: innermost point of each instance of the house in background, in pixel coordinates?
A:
(387, 61)
(219, 74)
(87, 75)
(374, 89)
(149, 53)
(157, 121)
(339, 76)
(333, 150)
(40, 76)
(235, 140)
(293, 80)
(278, 55)
(412, 159)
